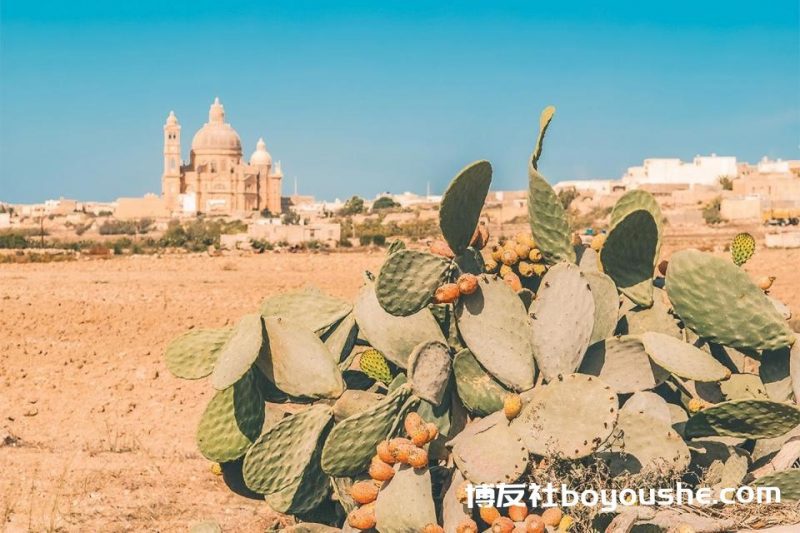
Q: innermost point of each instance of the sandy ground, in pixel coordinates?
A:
(95, 434)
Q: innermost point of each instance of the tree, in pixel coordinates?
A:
(291, 218)
(384, 202)
(712, 211)
(566, 196)
(353, 206)
(726, 182)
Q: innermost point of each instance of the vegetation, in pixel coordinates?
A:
(711, 212)
(726, 182)
(125, 227)
(566, 196)
(353, 206)
(383, 203)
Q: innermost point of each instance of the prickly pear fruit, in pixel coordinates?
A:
(522, 250)
(374, 365)
(385, 453)
(380, 471)
(417, 458)
(742, 248)
(696, 404)
(512, 405)
(216, 469)
(467, 284)
(480, 238)
(433, 528)
(412, 423)
(513, 281)
(509, 257)
(497, 253)
(446, 294)
(662, 267)
(490, 266)
(502, 525)
(534, 524)
(420, 437)
(566, 523)
(363, 517)
(468, 525)
(364, 491)
(525, 238)
(505, 270)
(489, 514)
(433, 431)
(765, 282)
(440, 247)
(598, 241)
(535, 255)
(539, 269)
(403, 453)
(552, 516)
(525, 269)
(517, 513)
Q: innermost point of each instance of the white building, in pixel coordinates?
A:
(594, 186)
(767, 166)
(703, 170)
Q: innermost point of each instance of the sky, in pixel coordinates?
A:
(361, 97)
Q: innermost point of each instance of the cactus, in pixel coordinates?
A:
(462, 203)
(775, 374)
(562, 333)
(788, 481)
(606, 305)
(408, 279)
(309, 307)
(749, 419)
(193, 354)
(647, 443)
(719, 302)
(405, 502)
(744, 386)
(657, 317)
(480, 392)
(682, 359)
(638, 200)
(506, 463)
(622, 363)
(429, 371)
(246, 344)
(341, 339)
(743, 246)
(629, 254)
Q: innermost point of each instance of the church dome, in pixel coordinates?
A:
(216, 137)
(261, 156)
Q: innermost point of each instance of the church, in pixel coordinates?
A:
(215, 180)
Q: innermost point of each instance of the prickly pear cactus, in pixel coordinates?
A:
(373, 364)
(743, 246)
(462, 203)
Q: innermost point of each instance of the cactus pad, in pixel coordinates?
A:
(408, 279)
(683, 359)
(774, 372)
(561, 333)
(749, 419)
(341, 340)
(429, 371)
(788, 481)
(462, 203)
(606, 305)
(651, 403)
(744, 386)
(570, 417)
(654, 318)
(246, 344)
(629, 256)
(310, 308)
(352, 402)
(453, 510)
(231, 422)
(719, 302)
(374, 365)
(622, 363)
(298, 363)
(495, 327)
(192, 355)
(394, 336)
(280, 455)
(351, 443)
(405, 502)
(647, 444)
(478, 390)
(743, 247)
(506, 462)
(637, 200)
(304, 494)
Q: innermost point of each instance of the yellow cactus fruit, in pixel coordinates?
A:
(433, 528)
(380, 471)
(566, 523)
(440, 247)
(535, 255)
(509, 257)
(489, 514)
(385, 453)
(467, 525)
(513, 281)
(417, 458)
(512, 405)
(525, 238)
(505, 270)
(503, 525)
(490, 266)
(522, 250)
(696, 404)
(598, 241)
(552, 516)
(517, 513)
(363, 517)
(534, 524)
(525, 269)
(216, 469)
(364, 492)
(765, 282)
(412, 423)
(539, 269)
(446, 294)
(497, 252)
(467, 283)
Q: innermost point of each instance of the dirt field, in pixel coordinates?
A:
(95, 434)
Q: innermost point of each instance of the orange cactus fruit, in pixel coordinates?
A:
(380, 471)
(446, 294)
(433, 528)
(534, 524)
(420, 437)
(552, 516)
(417, 458)
(364, 491)
(489, 514)
(518, 512)
(363, 517)
(512, 405)
(513, 281)
(468, 525)
(440, 247)
(433, 431)
(412, 423)
(503, 524)
(467, 284)
(509, 257)
(385, 452)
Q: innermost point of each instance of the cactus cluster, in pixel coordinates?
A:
(452, 367)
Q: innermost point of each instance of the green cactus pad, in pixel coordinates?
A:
(506, 462)
(374, 365)
(589, 260)
(471, 261)
(231, 422)
(462, 203)
(648, 444)
(394, 336)
(683, 359)
(655, 318)
(794, 368)
(545, 118)
(280, 455)
(310, 308)
(298, 363)
(744, 386)
(454, 511)
(629, 254)
(622, 363)
(408, 279)
(606, 305)
(405, 502)
(788, 481)
(495, 327)
(246, 344)
(774, 372)
(304, 494)
(719, 302)
(351, 443)
(429, 371)
(743, 247)
(478, 390)
(395, 246)
(192, 355)
(650, 403)
(570, 417)
(561, 333)
(749, 419)
(352, 402)
(637, 200)
(342, 339)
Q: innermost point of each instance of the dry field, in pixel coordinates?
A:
(95, 434)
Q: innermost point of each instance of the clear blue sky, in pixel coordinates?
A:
(360, 97)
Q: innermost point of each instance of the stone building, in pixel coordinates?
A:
(216, 180)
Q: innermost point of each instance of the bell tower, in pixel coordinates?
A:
(171, 179)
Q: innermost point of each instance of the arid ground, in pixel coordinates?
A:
(95, 434)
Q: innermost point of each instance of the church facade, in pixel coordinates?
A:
(216, 180)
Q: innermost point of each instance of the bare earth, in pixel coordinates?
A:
(95, 434)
